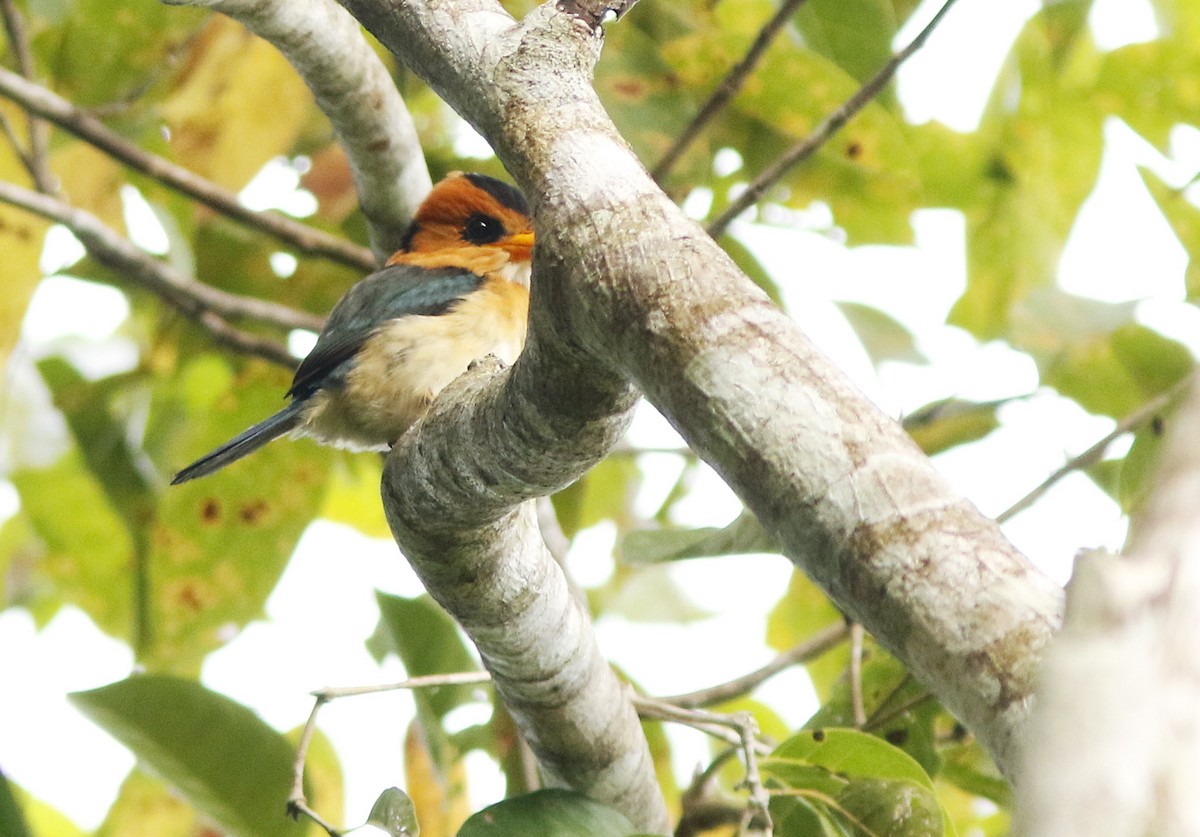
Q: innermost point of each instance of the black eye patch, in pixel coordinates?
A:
(482, 229)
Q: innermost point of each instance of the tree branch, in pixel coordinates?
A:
(1093, 454)
(823, 132)
(36, 159)
(204, 305)
(810, 649)
(727, 89)
(627, 287)
(357, 93)
(305, 239)
(1121, 683)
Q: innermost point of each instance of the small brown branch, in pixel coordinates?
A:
(823, 132)
(1094, 453)
(36, 160)
(207, 306)
(304, 239)
(297, 803)
(810, 649)
(727, 89)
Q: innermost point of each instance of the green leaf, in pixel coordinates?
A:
(1095, 353)
(944, 424)
(881, 335)
(643, 95)
(886, 689)
(802, 612)
(1130, 85)
(743, 536)
(558, 812)
(101, 436)
(1038, 160)
(749, 264)
(12, 821)
(895, 809)
(1184, 218)
(219, 544)
(428, 641)
(1139, 468)
(221, 756)
(606, 492)
(967, 766)
(82, 558)
(866, 173)
(857, 34)
(393, 812)
(653, 595)
(98, 53)
(859, 770)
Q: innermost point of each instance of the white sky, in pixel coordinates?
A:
(1121, 250)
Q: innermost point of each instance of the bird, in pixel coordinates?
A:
(456, 291)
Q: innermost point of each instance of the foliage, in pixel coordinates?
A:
(177, 573)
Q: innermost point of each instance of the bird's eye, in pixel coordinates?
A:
(482, 229)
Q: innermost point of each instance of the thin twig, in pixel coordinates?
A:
(10, 134)
(856, 686)
(759, 815)
(428, 681)
(297, 803)
(811, 648)
(207, 306)
(1093, 454)
(745, 736)
(715, 724)
(726, 90)
(821, 134)
(36, 160)
(303, 238)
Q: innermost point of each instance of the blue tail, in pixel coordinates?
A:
(244, 443)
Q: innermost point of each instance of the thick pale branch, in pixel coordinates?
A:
(305, 239)
(357, 93)
(1114, 745)
(462, 511)
(623, 274)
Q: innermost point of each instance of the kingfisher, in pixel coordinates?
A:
(456, 291)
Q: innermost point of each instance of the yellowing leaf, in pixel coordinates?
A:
(147, 807)
(21, 235)
(440, 798)
(91, 181)
(237, 104)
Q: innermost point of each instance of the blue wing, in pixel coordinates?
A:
(396, 291)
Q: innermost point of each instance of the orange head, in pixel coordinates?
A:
(471, 210)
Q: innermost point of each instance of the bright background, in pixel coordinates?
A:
(1120, 250)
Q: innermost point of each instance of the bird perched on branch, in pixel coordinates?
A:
(458, 291)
